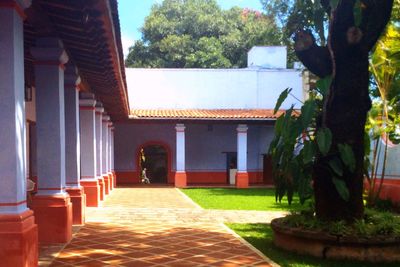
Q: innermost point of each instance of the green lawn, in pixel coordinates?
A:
(239, 199)
(260, 236)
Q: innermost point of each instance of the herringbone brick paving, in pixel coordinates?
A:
(157, 227)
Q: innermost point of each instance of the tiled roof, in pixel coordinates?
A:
(206, 114)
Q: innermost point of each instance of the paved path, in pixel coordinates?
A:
(160, 227)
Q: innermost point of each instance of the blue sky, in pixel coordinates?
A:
(133, 12)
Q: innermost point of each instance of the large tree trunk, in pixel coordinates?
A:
(347, 104)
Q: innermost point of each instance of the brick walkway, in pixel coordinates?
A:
(159, 227)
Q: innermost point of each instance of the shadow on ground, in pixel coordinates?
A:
(106, 244)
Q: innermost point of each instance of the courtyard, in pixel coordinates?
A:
(158, 227)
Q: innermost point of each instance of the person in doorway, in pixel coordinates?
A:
(145, 179)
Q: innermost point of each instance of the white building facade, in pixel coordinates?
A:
(202, 126)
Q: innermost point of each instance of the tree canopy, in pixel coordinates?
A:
(199, 34)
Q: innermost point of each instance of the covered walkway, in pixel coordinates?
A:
(157, 227)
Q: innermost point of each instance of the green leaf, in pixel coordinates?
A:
(324, 84)
(347, 156)
(308, 152)
(341, 188)
(279, 125)
(282, 98)
(336, 166)
(367, 143)
(308, 112)
(357, 11)
(324, 140)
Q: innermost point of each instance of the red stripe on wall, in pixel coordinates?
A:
(198, 177)
(86, 108)
(205, 177)
(127, 177)
(12, 204)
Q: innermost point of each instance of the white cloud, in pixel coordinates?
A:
(126, 43)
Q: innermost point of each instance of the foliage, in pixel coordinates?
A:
(384, 119)
(297, 143)
(199, 34)
(293, 15)
(261, 236)
(238, 199)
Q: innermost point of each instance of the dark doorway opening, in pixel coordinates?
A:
(155, 161)
(267, 169)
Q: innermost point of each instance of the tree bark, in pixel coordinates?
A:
(348, 102)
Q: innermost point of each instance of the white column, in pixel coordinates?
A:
(12, 110)
(72, 138)
(50, 115)
(88, 138)
(52, 201)
(112, 149)
(110, 174)
(110, 125)
(105, 154)
(106, 119)
(242, 176)
(113, 175)
(18, 231)
(180, 148)
(99, 139)
(88, 149)
(180, 174)
(242, 147)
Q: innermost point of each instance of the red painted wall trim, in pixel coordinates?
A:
(193, 177)
(52, 188)
(12, 204)
(127, 177)
(86, 108)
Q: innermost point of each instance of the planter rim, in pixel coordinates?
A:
(277, 226)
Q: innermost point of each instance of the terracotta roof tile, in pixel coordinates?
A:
(205, 114)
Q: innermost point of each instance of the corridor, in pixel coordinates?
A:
(154, 227)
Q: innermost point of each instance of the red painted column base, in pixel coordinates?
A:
(106, 184)
(18, 239)
(242, 180)
(102, 188)
(180, 179)
(110, 181)
(92, 192)
(53, 215)
(78, 200)
(111, 178)
(114, 185)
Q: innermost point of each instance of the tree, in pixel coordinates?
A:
(354, 28)
(198, 34)
(333, 141)
(293, 15)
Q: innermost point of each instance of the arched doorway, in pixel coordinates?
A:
(154, 157)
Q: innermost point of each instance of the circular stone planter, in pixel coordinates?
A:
(323, 245)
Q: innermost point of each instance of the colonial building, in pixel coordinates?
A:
(204, 126)
(64, 107)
